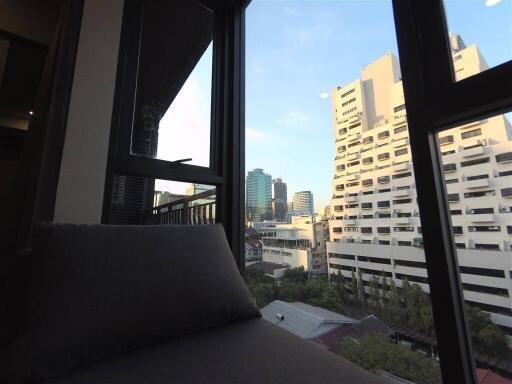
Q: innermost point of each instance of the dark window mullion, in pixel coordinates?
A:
(424, 74)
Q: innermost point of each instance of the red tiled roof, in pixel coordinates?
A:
(485, 376)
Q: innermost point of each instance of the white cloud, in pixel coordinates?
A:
(255, 135)
(324, 95)
(490, 3)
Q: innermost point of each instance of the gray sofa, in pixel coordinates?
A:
(152, 304)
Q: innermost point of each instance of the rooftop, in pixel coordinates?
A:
(302, 319)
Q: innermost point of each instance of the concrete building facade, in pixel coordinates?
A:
(375, 224)
(279, 199)
(258, 195)
(299, 244)
(303, 204)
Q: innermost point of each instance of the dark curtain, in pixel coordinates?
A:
(33, 196)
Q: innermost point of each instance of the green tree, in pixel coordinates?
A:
(291, 291)
(393, 304)
(353, 285)
(298, 275)
(374, 293)
(384, 284)
(377, 352)
(361, 295)
(486, 337)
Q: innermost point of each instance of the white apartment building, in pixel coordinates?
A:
(375, 224)
(299, 244)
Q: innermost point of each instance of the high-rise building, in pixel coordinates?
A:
(375, 225)
(258, 203)
(303, 203)
(279, 199)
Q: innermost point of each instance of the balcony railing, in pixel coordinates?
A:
(196, 209)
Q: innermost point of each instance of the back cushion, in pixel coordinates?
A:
(99, 290)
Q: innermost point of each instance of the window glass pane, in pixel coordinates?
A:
(182, 204)
(479, 181)
(325, 115)
(141, 200)
(174, 85)
(480, 34)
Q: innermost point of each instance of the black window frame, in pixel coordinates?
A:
(435, 101)
(227, 162)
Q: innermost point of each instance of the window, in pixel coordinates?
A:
(477, 177)
(484, 228)
(504, 157)
(402, 201)
(505, 173)
(367, 182)
(400, 129)
(402, 175)
(455, 212)
(451, 181)
(353, 163)
(403, 229)
(449, 167)
(402, 240)
(401, 152)
(383, 230)
(472, 133)
(367, 160)
(368, 140)
(342, 131)
(457, 230)
(399, 108)
(506, 192)
(377, 260)
(410, 264)
(366, 205)
(383, 135)
(340, 167)
(343, 256)
(474, 162)
(383, 204)
(353, 184)
(348, 93)
(453, 197)
(472, 195)
(478, 211)
(383, 156)
(354, 126)
(446, 140)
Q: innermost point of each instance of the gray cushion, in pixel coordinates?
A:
(249, 352)
(99, 290)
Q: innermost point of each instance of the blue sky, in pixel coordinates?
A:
(296, 52)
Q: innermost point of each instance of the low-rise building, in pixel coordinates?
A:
(299, 244)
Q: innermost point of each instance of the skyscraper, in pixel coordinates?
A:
(279, 199)
(258, 200)
(375, 227)
(303, 203)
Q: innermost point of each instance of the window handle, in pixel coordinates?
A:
(180, 161)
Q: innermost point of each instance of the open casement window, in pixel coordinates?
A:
(176, 139)
(436, 102)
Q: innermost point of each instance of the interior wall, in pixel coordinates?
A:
(31, 19)
(84, 160)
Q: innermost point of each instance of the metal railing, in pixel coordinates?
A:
(188, 210)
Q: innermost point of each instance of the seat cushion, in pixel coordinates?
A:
(249, 352)
(99, 290)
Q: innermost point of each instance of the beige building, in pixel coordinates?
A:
(375, 224)
(299, 244)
